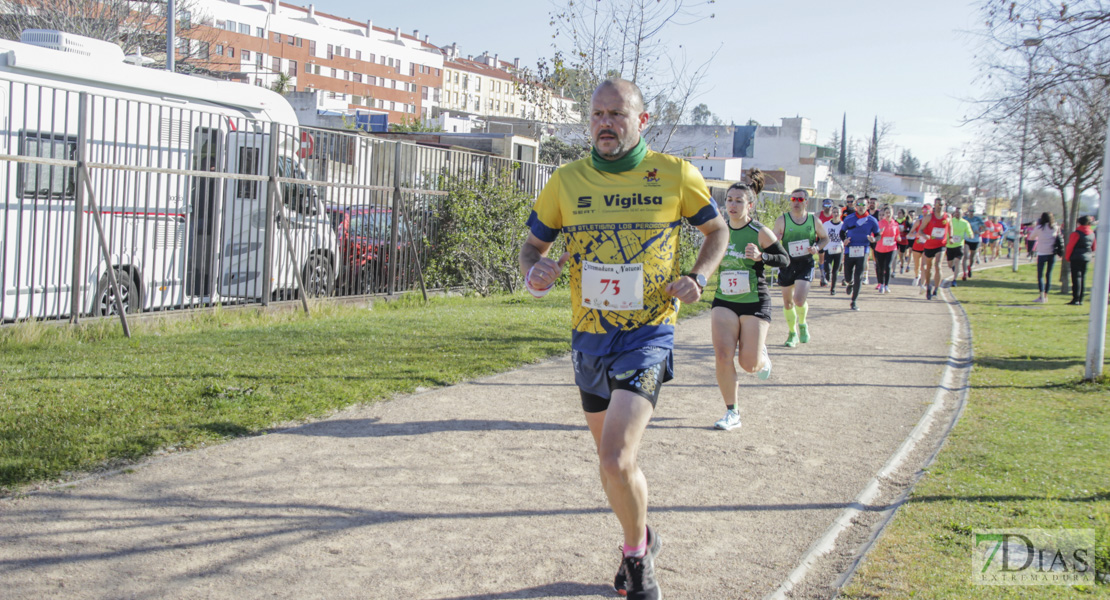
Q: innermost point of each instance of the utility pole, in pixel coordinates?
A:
(171, 34)
(1034, 43)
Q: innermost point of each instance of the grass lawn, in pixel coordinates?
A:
(77, 399)
(1031, 451)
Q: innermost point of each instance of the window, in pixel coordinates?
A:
(312, 47)
(394, 83)
(389, 62)
(244, 29)
(465, 82)
(478, 83)
(356, 99)
(424, 92)
(245, 55)
(333, 74)
(358, 54)
(219, 49)
(300, 42)
(358, 77)
(258, 59)
(347, 53)
(412, 70)
(292, 40)
(277, 38)
(372, 80)
(202, 51)
(231, 52)
(259, 32)
(331, 52)
(292, 68)
(276, 64)
(373, 58)
(46, 181)
(231, 26)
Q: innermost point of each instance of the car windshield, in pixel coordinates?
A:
(376, 225)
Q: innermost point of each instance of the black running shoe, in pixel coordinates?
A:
(620, 582)
(854, 307)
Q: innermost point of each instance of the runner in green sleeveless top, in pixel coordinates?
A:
(803, 237)
(742, 305)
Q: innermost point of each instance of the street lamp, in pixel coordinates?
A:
(1034, 43)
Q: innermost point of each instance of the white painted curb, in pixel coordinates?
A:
(953, 375)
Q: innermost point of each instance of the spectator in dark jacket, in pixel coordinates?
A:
(1080, 251)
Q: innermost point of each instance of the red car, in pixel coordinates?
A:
(363, 235)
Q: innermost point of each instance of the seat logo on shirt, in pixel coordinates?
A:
(585, 201)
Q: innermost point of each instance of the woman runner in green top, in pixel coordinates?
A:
(742, 305)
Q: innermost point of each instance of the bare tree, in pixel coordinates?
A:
(134, 26)
(1074, 34)
(594, 41)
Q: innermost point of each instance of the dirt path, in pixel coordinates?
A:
(489, 489)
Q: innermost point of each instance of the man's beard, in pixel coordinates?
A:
(618, 152)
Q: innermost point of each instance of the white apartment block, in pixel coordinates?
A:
(791, 147)
(487, 86)
(365, 66)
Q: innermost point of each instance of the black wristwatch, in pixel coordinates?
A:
(698, 279)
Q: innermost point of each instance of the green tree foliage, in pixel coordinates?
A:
(909, 164)
(281, 84)
(700, 114)
(413, 125)
(482, 226)
(554, 151)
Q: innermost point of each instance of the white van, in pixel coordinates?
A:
(175, 238)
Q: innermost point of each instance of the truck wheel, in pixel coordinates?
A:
(106, 298)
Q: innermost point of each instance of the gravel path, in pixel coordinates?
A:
(489, 489)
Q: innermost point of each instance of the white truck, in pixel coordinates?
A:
(175, 237)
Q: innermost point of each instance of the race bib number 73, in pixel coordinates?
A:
(612, 287)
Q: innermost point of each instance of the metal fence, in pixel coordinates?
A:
(116, 206)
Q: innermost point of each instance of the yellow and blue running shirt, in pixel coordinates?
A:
(622, 231)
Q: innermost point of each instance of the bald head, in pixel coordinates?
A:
(626, 89)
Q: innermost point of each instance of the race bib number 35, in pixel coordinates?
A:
(798, 248)
(612, 287)
(735, 283)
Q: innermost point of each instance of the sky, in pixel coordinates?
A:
(911, 64)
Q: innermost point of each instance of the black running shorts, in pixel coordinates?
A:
(799, 269)
(760, 309)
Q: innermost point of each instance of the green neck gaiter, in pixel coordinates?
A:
(625, 163)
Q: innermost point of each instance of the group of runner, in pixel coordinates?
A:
(619, 212)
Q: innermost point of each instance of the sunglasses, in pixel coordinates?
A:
(797, 199)
(861, 203)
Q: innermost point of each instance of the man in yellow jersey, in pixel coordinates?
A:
(621, 211)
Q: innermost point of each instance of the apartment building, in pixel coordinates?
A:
(353, 62)
(488, 87)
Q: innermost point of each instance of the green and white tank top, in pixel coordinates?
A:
(738, 278)
(798, 238)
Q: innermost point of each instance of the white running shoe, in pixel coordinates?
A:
(731, 420)
(765, 372)
(921, 289)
